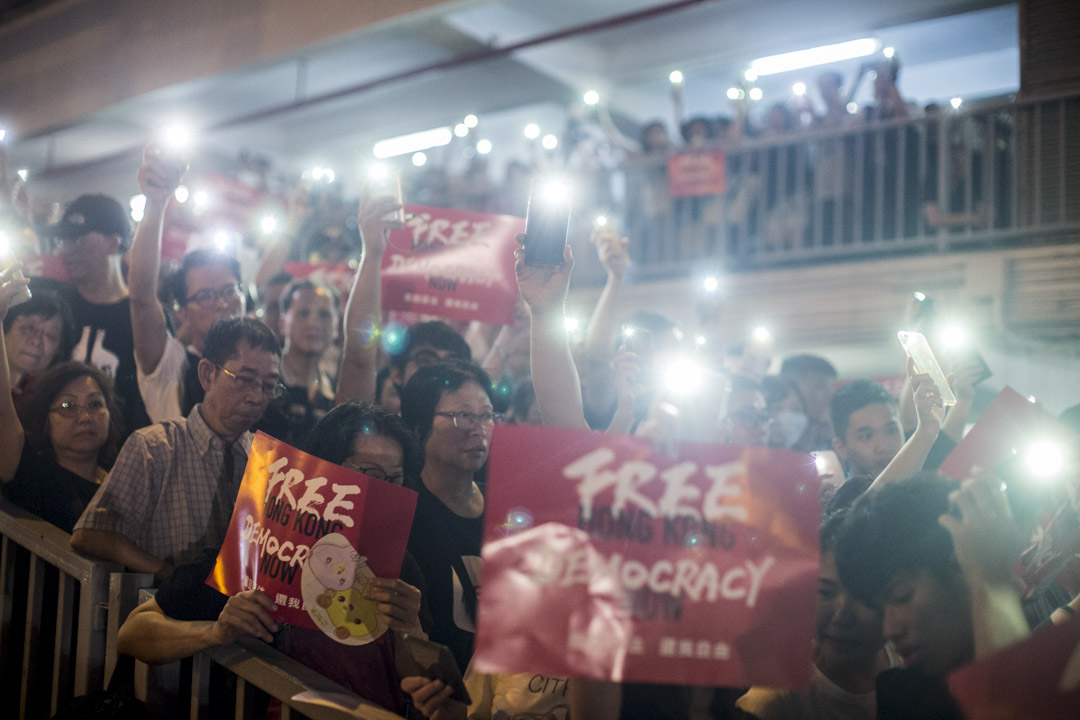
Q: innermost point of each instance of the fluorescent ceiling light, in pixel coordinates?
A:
(823, 55)
(411, 143)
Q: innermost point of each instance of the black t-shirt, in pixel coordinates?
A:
(447, 549)
(907, 694)
(51, 492)
(104, 339)
(291, 417)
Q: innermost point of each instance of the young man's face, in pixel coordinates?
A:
(213, 293)
(816, 390)
(928, 619)
(872, 439)
(848, 633)
(87, 256)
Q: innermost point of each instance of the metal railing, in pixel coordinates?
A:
(54, 605)
(61, 613)
(999, 175)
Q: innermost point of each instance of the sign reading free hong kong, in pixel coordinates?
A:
(605, 559)
(453, 264)
(310, 534)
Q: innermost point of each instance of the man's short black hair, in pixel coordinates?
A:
(425, 388)
(853, 397)
(225, 335)
(332, 437)
(177, 283)
(307, 284)
(892, 530)
(436, 334)
(803, 365)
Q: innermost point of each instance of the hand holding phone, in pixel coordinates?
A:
(385, 184)
(416, 657)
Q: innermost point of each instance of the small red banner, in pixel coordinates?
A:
(453, 264)
(697, 173)
(605, 559)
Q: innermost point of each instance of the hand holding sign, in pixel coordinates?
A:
(247, 613)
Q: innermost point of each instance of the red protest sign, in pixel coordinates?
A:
(1021, 443)
(1036, 679)
(605, 559)
(310, 534)
(697, 173)
(453, 264)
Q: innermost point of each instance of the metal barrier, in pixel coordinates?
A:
(53, 604)
(252, 668)
(1004, 174)
(61, 612)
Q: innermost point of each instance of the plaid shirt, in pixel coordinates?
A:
(166, 491)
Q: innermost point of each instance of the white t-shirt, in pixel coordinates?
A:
(163, 389)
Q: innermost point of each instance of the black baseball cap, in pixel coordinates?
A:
(92, 213)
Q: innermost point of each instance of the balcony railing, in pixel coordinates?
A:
(1000, 175)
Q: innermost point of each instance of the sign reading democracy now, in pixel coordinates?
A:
(604, 558)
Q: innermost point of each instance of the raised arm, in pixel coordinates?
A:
(555, 378)
(274, 259)
(363, 312)
(987, 544)
(913, 454)
(158, 178)
(153, 637)
(12, 290)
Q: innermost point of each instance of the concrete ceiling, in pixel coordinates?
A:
(948, 47)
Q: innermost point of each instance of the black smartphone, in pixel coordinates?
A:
(547, 222)
(415, 656)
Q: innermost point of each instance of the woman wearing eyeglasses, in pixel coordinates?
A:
(449, 407)
(52, 467)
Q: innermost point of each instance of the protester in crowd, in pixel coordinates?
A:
(187, 616)
(449, 407)
(269, 310)
(93, 235)
(848, 653)
(53, 464)
(814, 379)
(938, 558)
(867, 425)
(172, 489)
(785, 408)
(38, 333)
(310, 324)
(204, 290)
(746, 420)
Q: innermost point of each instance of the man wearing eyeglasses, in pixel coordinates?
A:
(205, 289)
(172, 489)
(90, 239)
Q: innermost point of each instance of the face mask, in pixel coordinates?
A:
(788, 427)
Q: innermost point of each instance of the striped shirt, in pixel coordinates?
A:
(168, 492)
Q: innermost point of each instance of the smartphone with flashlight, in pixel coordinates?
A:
(415, 657)
(7, 260)
(829, 467)
(918, 349)
(386, 184)
(547, 222)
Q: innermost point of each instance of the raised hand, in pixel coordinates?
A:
(376, 222)
(247, 613)
(612, 250)
(159, 175)
(985, 537)
(544, 288)
(928, 403)
(12, 289)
